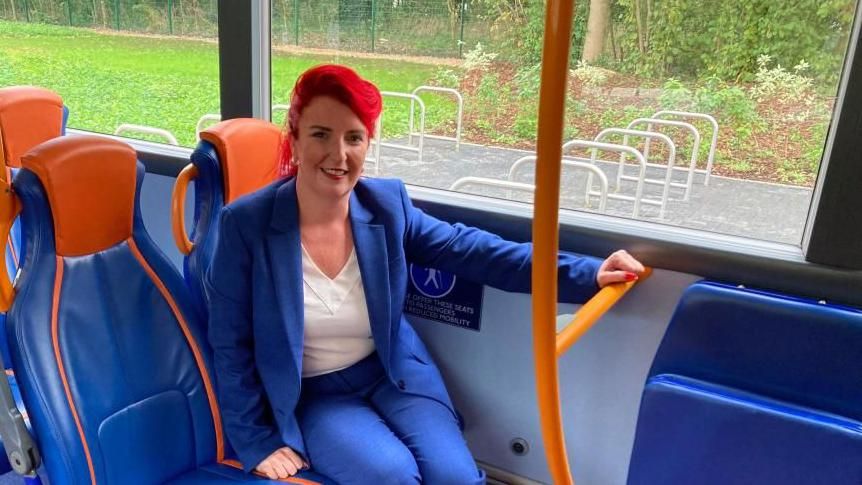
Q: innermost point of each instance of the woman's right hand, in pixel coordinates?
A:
(282, 463)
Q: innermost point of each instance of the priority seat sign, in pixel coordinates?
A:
(443, 297)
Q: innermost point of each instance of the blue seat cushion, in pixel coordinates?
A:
(217, 474)
(691, 431)
(767, 344)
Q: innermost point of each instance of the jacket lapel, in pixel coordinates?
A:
(370, 242)
(285, 262)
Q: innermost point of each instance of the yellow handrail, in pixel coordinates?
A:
(10, 207)
(555, 64)
(178, 214)
(593, 310)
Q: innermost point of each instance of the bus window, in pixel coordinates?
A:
(725, 109)
(144, 70)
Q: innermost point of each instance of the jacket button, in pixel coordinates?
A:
(402, 385)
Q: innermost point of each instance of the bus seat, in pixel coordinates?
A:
(742, 391)
(28, 116)
(113, 365)
(233, 158)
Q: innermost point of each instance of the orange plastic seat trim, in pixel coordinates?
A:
(248, 150)
(196, 352)
(178, 213)
(28, 117)
(10, 206)
(90, 184)
(61, 368)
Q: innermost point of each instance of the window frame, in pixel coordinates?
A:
(244, 58)
(833, 234)
(824, 267)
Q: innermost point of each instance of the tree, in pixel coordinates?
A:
(597, 26)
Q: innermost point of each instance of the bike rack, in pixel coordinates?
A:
(202, 123)
(667, 182)
(703, 116)
(505, 184)
(375, 143)
(460, 115)
(621, 149)
(279, 107)
(149, 130)
(573, 162)
(413, 98)
(694, 149)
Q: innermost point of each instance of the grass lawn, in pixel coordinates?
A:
(168, 83)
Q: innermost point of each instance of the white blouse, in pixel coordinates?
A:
(337, 329)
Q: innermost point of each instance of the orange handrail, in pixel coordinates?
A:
(593, 310)
(10, 207)
(555, 63)
(547, 345)
(178, 214)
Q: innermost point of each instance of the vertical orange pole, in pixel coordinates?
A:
(552, 96)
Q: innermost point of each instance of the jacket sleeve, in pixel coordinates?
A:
(246, 412)
(486, 258)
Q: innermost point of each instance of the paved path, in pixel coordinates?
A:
(730, 206)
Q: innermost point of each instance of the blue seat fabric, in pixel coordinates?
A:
(752, 387)
(209, 199)
(14, 254)
(132, 375)
(12, 247)
(694, 432)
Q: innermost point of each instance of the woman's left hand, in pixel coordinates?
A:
(620, 266)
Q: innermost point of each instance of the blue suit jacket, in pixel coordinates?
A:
(256, 301)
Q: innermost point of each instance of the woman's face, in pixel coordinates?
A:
(330, 148)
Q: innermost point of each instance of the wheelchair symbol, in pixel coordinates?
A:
(431, 282)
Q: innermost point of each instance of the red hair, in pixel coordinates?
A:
(338, 82)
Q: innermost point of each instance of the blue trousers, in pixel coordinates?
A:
(361, 429)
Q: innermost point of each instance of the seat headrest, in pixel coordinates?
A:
(28, 116)
(248, 150)
(90, 184)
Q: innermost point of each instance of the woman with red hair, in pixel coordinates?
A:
(315, 362)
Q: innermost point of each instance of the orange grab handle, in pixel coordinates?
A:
(178, 215)
(593, 310)
(10, 207)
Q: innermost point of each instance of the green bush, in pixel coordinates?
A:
(528, 80)
(446, 78)
(731, 103)
(489, 89)
(723, 38)
(526, 125)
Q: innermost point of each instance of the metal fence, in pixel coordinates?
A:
(172, 17)
(412, 27)
(443, 28)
